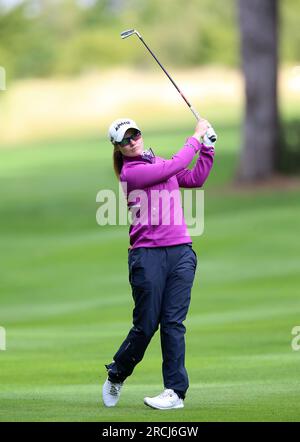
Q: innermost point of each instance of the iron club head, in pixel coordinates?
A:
(128, 33)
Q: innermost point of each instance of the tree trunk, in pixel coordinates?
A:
(259, 45)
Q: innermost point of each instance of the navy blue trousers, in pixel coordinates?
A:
(161, 279)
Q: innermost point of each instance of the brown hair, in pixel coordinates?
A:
(117, 161)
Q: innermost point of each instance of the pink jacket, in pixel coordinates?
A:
(149, 181)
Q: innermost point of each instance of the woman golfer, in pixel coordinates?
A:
(161, 260)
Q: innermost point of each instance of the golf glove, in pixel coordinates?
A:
(206, 139)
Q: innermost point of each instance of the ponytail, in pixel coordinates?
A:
(117, 161)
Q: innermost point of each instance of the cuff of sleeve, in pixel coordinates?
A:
(194, 143)
(207, 149)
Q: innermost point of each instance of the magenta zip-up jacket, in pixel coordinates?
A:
(148, 183)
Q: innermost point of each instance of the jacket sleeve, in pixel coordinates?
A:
(197, 176)
(139, 176)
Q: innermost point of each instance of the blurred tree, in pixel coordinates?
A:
(48, 37)
(259, 43)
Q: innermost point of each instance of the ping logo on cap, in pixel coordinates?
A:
(121, 124)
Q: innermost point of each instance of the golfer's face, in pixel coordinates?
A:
(134, 144)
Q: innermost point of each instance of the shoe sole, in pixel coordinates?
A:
(161, 408)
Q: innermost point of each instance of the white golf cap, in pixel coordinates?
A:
(118, 128)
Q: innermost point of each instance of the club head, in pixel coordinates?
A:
(128, 33)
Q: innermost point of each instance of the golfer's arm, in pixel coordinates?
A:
(146, 175)
(197, 176)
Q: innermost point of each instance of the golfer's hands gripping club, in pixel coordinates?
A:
(204, 131)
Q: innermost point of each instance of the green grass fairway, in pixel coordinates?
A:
(66, 301)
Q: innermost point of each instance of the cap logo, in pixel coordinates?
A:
(117, 127)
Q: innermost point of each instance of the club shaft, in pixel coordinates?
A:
(197, 116)
(210, 134)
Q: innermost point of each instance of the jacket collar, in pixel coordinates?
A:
(147, 155)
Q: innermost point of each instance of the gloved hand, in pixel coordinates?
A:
(210, 137)
(205, 132)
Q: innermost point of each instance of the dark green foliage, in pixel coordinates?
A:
(61, 37)
(290, 156)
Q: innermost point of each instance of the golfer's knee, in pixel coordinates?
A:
(144, 331)
(169, 326)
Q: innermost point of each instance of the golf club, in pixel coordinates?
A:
(210, 134)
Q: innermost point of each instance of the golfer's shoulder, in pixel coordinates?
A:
(132, 164)
(128, 167)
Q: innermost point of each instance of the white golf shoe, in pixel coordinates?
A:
(167, 400)
(111, 392)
